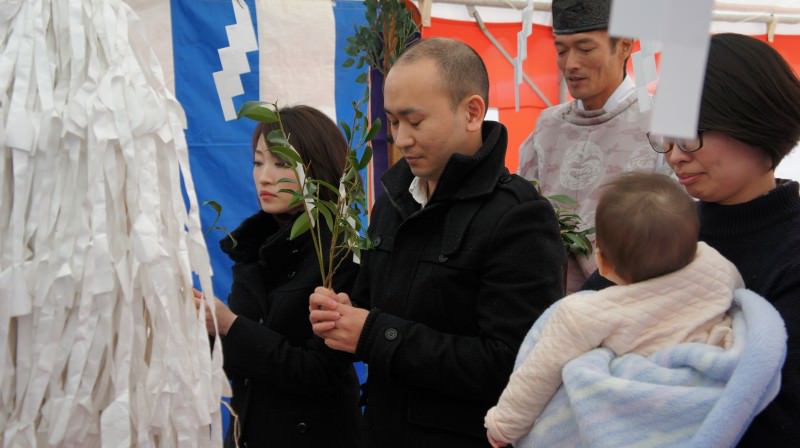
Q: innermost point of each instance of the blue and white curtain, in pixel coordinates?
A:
(299, 60)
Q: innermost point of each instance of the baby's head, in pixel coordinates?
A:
(646, 226)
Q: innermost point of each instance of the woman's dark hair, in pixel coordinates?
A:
(751, 94)
(646, 224)
(318, 140)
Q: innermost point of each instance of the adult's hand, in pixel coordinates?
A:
(225, 316)
(335, 319)
(347, 329)
(323, 312)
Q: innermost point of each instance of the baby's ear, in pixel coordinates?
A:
(604, 268)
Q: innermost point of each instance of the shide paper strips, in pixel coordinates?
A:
(100, 343)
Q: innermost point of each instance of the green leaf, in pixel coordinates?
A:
(330, 206)
(357, 219)
(329, 186)
(563, 199)
(294, 193)
(286, 180)
(348, 63)
(347, 133)
(287, 154)
(215, 205)
(259, 111)
(366, 243)
(348, 176)
(311, 188)
(373, 131)
(300, 226)
(362, 78)
(575, 239)
(296, 200)
(214, 226)
(577, 244)
(327, 215)
(276, 137)
(365, 158)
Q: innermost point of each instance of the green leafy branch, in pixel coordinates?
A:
(576, 240)
(342, 215)
(217, 207)
(390, 29)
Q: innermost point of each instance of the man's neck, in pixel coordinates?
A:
(625, 88)
(431, 186)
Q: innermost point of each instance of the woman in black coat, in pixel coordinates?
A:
(749, 121)
(289, 389)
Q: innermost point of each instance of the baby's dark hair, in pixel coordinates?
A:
(646, 226)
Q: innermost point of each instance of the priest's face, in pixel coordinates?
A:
(592, 65)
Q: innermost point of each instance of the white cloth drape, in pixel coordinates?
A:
(100, 344)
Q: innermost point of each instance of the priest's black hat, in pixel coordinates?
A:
(579, 16)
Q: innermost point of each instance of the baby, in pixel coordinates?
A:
(670, 289)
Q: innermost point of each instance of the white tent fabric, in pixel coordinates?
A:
(743, 16)
(738, 16)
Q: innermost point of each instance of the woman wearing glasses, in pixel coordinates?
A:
(749, 121)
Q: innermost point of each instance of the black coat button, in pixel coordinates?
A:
(390, 334)
(302, 428)
(291, 275)
(376, 241)
(442, 258)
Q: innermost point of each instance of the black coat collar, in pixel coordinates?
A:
(261, 237)
(464, 176)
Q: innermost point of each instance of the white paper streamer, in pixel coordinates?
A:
(100, 344)
(683, 59)
(522, 50)
(644, 67)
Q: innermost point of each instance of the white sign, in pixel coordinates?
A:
(682, 27)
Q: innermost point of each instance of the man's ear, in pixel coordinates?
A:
(626, 47)
(476, 111)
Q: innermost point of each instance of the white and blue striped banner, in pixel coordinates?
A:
(299, 60)
(301, 51)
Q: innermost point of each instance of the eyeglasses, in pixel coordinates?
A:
(664, 145)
